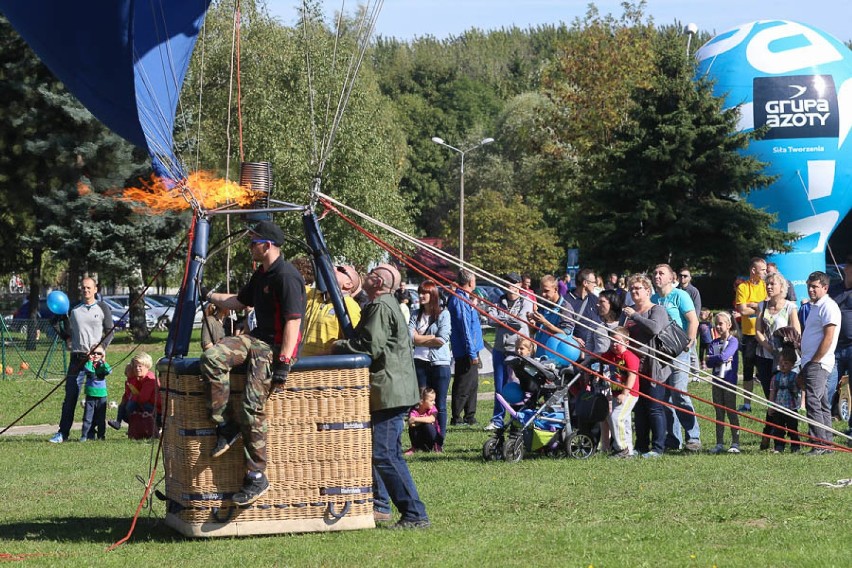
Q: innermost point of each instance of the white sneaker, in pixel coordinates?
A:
(734, 449)
(56, 439)
(491, 427)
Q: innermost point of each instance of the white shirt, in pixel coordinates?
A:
(824, 312)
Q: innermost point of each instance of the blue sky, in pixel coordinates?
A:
(407, 19)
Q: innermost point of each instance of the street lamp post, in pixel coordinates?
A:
(690, 29)
(441, 142)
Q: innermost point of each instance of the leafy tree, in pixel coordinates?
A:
(503, 235)
(455, 88)
(588, 83)
(57, 165)
(286, 126)
(674, 180)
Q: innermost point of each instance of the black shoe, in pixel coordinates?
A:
(226, 436)
(406, 524)
(254, 486)
(114, 424)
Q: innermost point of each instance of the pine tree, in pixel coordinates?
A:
(674, 179)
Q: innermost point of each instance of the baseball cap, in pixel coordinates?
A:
(267, 231)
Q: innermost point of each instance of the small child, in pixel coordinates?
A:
(141, 390)
(423, 429)
(524, 347)
(624, 394)
(95, 370)
(705, 334)
(785, 392)
(723, 359)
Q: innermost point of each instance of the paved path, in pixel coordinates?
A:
(41, 429)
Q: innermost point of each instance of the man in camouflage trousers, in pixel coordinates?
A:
(276, 290)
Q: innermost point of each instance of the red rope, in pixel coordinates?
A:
(149, 485)
(429, 273)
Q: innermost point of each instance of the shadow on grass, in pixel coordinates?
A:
(100, 530)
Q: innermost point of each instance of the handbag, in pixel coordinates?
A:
(671, 340)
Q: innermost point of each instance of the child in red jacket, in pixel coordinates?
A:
(141, 390)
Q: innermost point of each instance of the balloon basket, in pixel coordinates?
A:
(318, 452)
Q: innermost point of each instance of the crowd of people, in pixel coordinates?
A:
(617, 320)
(795, 352)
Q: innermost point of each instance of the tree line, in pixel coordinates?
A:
(603, 141)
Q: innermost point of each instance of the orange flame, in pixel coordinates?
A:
(83, 188)
(160, 194)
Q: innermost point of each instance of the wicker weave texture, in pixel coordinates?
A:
(318, 452)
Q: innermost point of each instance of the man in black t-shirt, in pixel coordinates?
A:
(276, 291)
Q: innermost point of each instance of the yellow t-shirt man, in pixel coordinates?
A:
(750, 293)
(322, 328)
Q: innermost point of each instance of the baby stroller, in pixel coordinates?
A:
(540, 415)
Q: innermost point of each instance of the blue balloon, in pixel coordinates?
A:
(797, 81)
(513, 393)
(57, 302)
(136, 57)
(567, 348)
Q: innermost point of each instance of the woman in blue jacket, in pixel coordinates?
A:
(430, 333)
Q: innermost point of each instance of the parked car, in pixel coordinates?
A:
(171, 302)
(156, 314)
(120, 317)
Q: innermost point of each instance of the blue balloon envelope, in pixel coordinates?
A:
(567, 348)
(795, 80)
(57, 302)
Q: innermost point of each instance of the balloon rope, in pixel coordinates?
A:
(155, 458)
(237, 26)
(200, 95)
(425, 271)
(230, 97)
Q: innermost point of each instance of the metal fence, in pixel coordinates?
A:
(32, 352)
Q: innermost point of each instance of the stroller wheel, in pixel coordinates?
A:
(579, 445)
(513, 450)
(492, 449)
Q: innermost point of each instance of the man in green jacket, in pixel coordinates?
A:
(383, 335)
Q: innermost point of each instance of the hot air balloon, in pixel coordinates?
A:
(125, 60)
(794, 80)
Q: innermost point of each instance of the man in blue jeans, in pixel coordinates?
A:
(88, 324)
(680, 308)
(819, 342)
(383, 334)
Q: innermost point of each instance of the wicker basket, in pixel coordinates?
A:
(318, 453)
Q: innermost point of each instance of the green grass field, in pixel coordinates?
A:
(65, 504)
